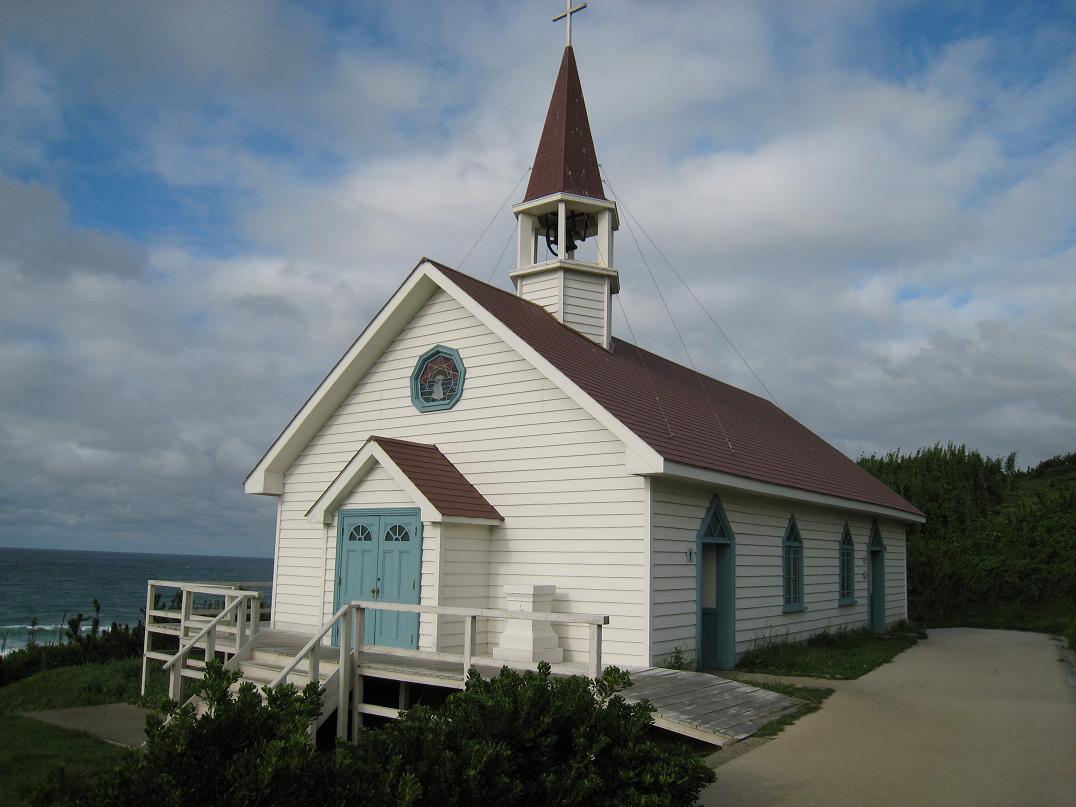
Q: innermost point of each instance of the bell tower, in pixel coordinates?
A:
(564, 206)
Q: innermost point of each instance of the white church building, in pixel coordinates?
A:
(482, 448)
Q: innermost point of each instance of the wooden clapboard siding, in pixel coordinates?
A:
(586, 304)
(573, 516)
(464, 581)
(896, 572)
(759, 524)
(543, 289)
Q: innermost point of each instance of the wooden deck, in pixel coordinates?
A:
(698, 705)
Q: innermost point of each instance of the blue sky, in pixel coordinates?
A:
(202, 205)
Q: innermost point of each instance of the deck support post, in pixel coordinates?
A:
(150, 592)
(358, 616)
(343, 672)
(595, 660)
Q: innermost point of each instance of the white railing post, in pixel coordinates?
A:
(241, 614)
(211, 644)
(150, 591)
(469, 636)
(314, 663)
(175, 681)
(185, 608)
(343, 672)
(595, 651)
(256, 614)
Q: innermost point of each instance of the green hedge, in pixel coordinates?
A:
(998, 541)
(516, 739)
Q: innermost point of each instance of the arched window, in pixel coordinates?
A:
(846, 559)
(397, 532)
(360, 533)
(792, 567)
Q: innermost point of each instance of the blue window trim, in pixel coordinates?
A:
(876, 537)
(448, 403)
(846, 549)
(723, 534)
(792, 539)
(728, 537)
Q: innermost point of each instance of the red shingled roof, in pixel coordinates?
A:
(439, 480)
(685, 416)
(566, 161)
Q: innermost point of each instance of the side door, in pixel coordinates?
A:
(399, 566)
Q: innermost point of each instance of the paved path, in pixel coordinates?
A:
(966, 717)
(117, 723)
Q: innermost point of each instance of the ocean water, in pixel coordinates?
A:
(55, 585)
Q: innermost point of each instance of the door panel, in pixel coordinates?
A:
(400, 562)
(380, 558)
(357, 572)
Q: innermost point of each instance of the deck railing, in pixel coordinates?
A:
(351, 619)
(227, 626)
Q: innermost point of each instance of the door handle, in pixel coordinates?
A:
(375, 591)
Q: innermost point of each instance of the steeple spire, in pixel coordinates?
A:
(566, 225)
(566, 161)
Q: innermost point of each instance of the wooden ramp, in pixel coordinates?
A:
(697, 705)
(706, 707)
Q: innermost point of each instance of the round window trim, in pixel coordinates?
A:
(422, 404)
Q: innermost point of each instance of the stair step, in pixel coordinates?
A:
(262, 675)
(268, 658)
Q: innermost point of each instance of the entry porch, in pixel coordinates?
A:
(344, 662)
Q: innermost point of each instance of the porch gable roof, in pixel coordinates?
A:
(428, 476)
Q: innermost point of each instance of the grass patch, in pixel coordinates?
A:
(82, 685)
(841, 655)
(812, 698)
(29, 750)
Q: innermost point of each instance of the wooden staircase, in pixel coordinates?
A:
(273, 651)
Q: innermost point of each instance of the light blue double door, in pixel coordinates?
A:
(379, 557)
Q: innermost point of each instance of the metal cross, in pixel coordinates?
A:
(569, 10)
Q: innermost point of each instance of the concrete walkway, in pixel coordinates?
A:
(966, 717)
(116, 723)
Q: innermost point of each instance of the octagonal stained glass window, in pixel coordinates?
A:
(437, 381)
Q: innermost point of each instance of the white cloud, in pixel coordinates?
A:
(892, 251)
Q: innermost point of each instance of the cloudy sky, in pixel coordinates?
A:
(202, 204)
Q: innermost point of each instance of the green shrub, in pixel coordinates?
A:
(519, 738)
(116, 642)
